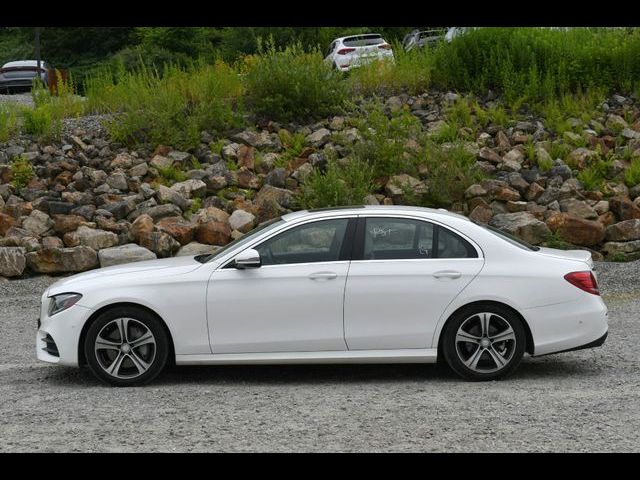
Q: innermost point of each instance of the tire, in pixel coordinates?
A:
(142, 355)
(480, 355)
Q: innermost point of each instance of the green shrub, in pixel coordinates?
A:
(21, 171)
(341, 184)
(389, 145)
(9, 126)
(409, 72)
(632, 174)
(533, 64)
(290, 84)
(171, 108)
(450, 170)
(43, 122)
(171, 174)
(592, 178)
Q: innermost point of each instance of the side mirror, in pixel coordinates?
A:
(249, 258)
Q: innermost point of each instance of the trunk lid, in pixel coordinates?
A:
(578, 255)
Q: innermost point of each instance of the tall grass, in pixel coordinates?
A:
(9, 125)
(170, 108)
(409, 72)
(290, 84)
(533, 64)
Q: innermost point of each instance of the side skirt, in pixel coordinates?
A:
(412, 355)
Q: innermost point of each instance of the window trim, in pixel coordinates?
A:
(358, 249)
(344, 250)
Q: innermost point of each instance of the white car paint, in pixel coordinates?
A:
(362, 310)
(345, 53)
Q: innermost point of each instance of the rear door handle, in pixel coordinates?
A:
(323, 276)
(447, 274)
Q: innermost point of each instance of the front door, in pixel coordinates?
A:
(293, 301)
(401, 279)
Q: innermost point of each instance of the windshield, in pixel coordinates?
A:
(509, 238)
(242, 240)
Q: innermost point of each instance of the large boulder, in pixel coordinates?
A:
(6, 222)
(624, 231)
(124, 254)
(12, 261)
(190, 188)
(523, 225)
(169, 196)
(578, 231)
(179, 228)
(242, 221)
(578, 208)
(624, 208)
(62, 260)
(90, 237)
(37, 223)
(162, 244)
(196, 248)
(213, 233)
(618, 248)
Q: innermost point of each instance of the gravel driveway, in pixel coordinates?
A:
(579, 401)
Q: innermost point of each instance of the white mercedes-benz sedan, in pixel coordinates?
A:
(371, 284)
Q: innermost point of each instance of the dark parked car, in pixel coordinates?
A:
(20, 74)
(421, 38)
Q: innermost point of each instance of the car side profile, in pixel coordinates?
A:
(374, 284)
(20, 74)
(423, 38)
(345, 53)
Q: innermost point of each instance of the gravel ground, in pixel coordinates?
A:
(578, 401)
(22, 98)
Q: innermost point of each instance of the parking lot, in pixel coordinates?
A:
(579, 401)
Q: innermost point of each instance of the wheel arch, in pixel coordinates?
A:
(83, 333)
(529, 348)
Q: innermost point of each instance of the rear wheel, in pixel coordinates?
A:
(484, 342)
(126, 346)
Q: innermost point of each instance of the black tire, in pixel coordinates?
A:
(455, 352)
(156, 354)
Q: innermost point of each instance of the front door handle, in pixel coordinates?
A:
(323, 276)
(447, 274)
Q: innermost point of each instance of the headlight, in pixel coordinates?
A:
(63, 301)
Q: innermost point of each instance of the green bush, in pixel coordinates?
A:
(450, 170)
(21, 171)
(290, 84)
(632, 174)
(533, 64)
(341, 184)
(171, 108)
(389, 145)
(9, 125)
(43, 122)
(410, 72)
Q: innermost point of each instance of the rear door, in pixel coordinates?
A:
(403, 275)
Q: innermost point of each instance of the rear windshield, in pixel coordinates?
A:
(363, 41)
(510, 238)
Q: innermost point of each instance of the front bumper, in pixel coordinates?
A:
(62, 331)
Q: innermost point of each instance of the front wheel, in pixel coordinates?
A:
(126, 346)
(484, 342)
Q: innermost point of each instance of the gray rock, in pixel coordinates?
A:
(195, 248)
(124, 254)
(179, 157)
(242, 221)
(613, 248)
(90, 237)
(399, 184)
(168, 195)
(12, 261)
(624, 231)
(522, 224)
(319, 137)
(190, 188)
(118, 180)
(62, 260)
(578, 208)
(37, 223)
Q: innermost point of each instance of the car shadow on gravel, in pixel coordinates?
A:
(530, 369)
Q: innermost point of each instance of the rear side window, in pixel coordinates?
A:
(363, 41)
(399, 238)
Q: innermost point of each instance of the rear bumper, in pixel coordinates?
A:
(568, 326)
(596, 343)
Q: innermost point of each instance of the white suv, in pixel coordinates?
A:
(346, 53)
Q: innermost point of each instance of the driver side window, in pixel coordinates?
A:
(319, 241)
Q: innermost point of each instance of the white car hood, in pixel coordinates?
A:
(163, 267)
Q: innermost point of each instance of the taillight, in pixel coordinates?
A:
(385, 46)
(584, 281)
(344, 51)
